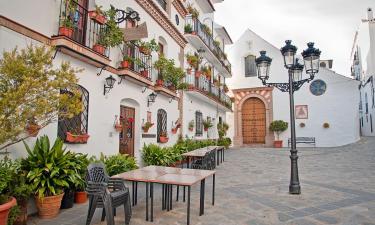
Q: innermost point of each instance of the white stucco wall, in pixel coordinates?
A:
(341, 96)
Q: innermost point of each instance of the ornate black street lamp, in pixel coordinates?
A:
(311, 57)
(109, 82)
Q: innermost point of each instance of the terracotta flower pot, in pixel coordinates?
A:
(79, 138)
(99, 49)
(33, 129)
(278, 144)
(118, 127)
(159, 82)
(125, 64)
(205, 129)
(99, 18)
(22, 217)
(198, 73)
(163, 139)
(4, 210)
(191, 128)
(80, 197)
(144, 73)
(174, 130)
(145, 129)
(48, 207)
(144, 50)
(66, 31)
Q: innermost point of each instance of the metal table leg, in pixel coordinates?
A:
(152, 201)
(170, 196)
(163, 197)
(147, 196)
(213, 189)
(217, 157)
(136, 193)
(201, 208)
(178, 192)
(188, 206)
(133, 194)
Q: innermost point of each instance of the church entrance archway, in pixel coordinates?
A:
(254, 121)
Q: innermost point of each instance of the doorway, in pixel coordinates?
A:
(254, 121)
(127, 118)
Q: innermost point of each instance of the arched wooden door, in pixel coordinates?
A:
(253, 121)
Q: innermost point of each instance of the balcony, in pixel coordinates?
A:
(200, 39)
(136, 65)
(165, 88)
(78, 34)
(205, 90)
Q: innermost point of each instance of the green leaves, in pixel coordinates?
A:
(51, 169)
(119, 163)
(170, 73)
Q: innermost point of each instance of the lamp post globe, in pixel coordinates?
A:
(263, 63)
(296, 71)
(110, 81)
(289, 54)
(311, 56)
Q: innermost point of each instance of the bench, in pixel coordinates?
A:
(304, 140)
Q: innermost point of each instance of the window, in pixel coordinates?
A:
(198, 123)
(162, 123)
(250, 66)
(318, 87)
(78, 123)
(366, 103)
(161, 49)
(177, 19)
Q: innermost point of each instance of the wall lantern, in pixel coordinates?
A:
(151, 98)
(109, 82)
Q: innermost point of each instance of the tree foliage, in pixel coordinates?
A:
(278, 126)
(30, 91)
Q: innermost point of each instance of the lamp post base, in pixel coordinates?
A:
(295, 189)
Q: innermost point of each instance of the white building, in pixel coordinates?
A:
(330, 99)
(38, 22)
(363, 70)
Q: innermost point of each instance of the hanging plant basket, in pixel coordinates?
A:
(33, 129)
(146, 128)
(99, 48)
(66, 31)
(77, 138)
(163, 139)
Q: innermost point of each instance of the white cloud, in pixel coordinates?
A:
(331, 24)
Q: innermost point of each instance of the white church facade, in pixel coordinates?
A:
(326, 108)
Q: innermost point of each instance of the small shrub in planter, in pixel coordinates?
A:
(120, 163)
(191, 125)
(98, 15)
(147, 47)
(126, 62)
(207, 124)
(163, 138)
(278, 126)
(147, 126)
(6, 201)
(66, 27)
(188, 29)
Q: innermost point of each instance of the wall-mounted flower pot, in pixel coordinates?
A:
(77, 138)
(159, 82)
(198, 73)
(174, 130)
(99, 18)
(191, 128)
(205, 129)
(66, 31)
(80, 197)
(48, 207)
(278, 144)
(145, 129)
(144, 73)
(163, 139)
(118, 127)
(33, 129)
(99, 49)
(4, 210)
(125, 64)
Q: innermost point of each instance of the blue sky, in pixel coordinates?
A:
(331, 24)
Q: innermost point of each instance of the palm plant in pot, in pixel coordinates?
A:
(207, 124)
(278, 126)
(191, 125)
(147, 126)
(6, 201)
(49, 171)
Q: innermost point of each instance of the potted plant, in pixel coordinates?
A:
(225, 88)
(217, 43)
(207, 124)
(206, 29)
(126, 62)
(147, 126)
(49, 170)
(326, 125)
(147, 47)
(193, 60)
(77, 136)
(175, 129)
(7, 202)
(278, 126)
(98, 15)
(191, 125)
(111, 36)
(163, 138)
(198, 73)
(66, 27)
(32, 128)
(206, 70)
(80, 195)
(193, 11)
(188, 29)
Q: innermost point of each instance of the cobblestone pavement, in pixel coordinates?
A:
(338, 187)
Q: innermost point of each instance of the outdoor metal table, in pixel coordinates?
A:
(170, 176)
(198, 153)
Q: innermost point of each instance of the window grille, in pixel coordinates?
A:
(250, 66)
(162, 123)
(198, 123)
(78, 123)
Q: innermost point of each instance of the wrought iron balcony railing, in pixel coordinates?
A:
(76, 24)
(198, 29)
(136, 60)
(205, 86)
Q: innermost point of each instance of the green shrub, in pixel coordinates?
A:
(6, 176)
(153, 154)
(226, 142)
(278, 126)
(120, 163)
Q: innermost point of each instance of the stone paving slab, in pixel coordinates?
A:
(338, 187)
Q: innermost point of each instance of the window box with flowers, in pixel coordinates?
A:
(98, 15)
(163, 138)
(77, 137)
(147, 47)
